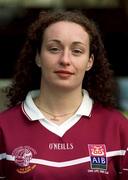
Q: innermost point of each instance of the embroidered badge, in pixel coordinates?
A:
(98, 159)
(22, 157)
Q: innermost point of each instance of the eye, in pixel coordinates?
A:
(77, 52)
(55, 50)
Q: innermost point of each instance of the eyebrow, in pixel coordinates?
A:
(74, 43)
(77, 42)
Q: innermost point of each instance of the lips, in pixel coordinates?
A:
(64, 72)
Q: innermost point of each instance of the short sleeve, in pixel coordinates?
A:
(2, 156)
(124, 146)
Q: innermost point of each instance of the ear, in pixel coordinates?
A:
(37, 59)
(90, 62)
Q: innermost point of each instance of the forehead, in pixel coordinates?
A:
(66, 30)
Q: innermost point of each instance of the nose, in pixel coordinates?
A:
(65, 59)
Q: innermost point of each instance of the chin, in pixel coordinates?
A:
(66, 87)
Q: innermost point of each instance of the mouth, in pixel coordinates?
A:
(63, 74)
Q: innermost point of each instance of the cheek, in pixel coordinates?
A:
(48, 60)
(81, 67)
(86, 64)
(47, 67)
(45, 61)
(80, 73)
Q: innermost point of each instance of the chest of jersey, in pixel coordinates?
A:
(83, 152)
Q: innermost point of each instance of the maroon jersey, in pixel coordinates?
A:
(94, 148)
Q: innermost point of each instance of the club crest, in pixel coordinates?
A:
(22, 157)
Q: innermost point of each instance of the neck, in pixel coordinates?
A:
(59, 102)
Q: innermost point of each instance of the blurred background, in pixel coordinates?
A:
(110, 15)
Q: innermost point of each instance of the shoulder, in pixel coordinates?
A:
(112, 123)
(10, 113)
(109, 114)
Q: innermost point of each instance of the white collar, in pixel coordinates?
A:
(33, 113)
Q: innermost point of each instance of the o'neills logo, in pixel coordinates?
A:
(22, 157)
(61, 146)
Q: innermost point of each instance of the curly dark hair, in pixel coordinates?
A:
(99, 81)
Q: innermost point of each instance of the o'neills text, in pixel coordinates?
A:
(61, 146)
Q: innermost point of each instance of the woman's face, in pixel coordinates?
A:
(64, 56)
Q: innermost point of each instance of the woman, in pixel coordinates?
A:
(62, 123)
